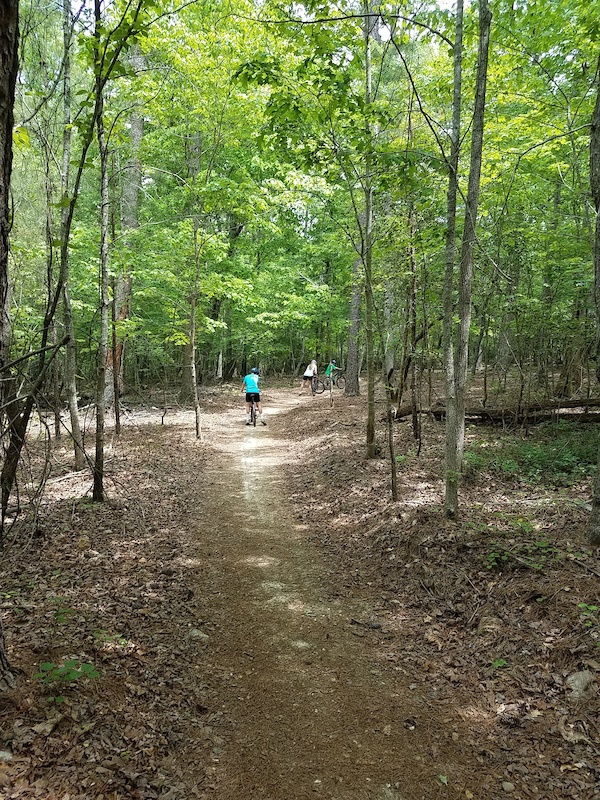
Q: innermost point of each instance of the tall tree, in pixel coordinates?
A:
(370, 22)
(455, 421)
(70, 360)
(452, 423)
(9, 48)
(98, 491)
(130, 205)
(593, 528)
(9, 43)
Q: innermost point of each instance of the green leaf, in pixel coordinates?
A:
(21, 137)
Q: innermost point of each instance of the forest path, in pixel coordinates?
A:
(310, 708)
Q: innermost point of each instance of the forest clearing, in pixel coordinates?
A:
(263, 621)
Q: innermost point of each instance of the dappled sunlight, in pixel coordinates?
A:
(474, 715)
(261, 561)
(189, 563)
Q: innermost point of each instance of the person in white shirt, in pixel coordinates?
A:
(309, 373)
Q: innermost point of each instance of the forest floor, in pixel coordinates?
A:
(251, 616)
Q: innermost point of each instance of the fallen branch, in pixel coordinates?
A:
(532, 414)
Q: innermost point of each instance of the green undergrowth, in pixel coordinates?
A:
(556, 454)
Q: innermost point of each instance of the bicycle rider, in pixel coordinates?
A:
(250, 386)
(331, 369)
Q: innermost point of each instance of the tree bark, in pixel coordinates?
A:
(9, 64)
(367, 240)
(70, 361)
(593, 527)
(132, 187)
(455, 425)
(352, 361)
(9, 43)
(98, 490)
(451, 498)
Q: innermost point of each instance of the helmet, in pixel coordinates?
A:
(333, 361)
(254, 370)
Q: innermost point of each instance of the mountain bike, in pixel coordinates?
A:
(253, 412)
(339, 381)
(317, 385)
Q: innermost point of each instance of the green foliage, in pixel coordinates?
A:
(252, 158)
(101, 635)
(524, 555)
(64, 674)
(590, 617)
(62, 612)
(558, 455)
(589, 614)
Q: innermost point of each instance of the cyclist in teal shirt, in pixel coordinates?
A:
(250, 386)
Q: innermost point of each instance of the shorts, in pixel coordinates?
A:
(307, 377)
(250, 396)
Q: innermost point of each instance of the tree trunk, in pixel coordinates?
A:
(132, 187)
(98, 491)
(416, 419)
(49, 278)
(352, 361)
(193, 313)
(593, 527)
(9, 44)
(367, 240)
(389, 333)
(456, 433)
(451, 478)
(70, 361)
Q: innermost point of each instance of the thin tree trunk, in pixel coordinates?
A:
(98, 490)
(469, 231)
(116, 361)
(593, 526)
(352, 361)
(9, 64)
(56, 400)
(70, 360)
(49, 270)
(451, 499)
(132, 187)
(389, 342)
(367, 241)
(193, 312)
(9, 43)
(416, 420)
(455, 422)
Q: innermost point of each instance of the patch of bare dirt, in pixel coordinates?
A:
(265, 622)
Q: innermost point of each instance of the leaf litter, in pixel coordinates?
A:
(490, 648)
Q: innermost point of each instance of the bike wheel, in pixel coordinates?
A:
(318, 386)
(253, 415)
(340, 382)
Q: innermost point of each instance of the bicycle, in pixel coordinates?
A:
(339, 381)
(253, 412)
(317, 386)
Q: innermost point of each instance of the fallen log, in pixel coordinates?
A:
(533, 414)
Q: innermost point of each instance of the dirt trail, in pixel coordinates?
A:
(311, 709)
(242, 654)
